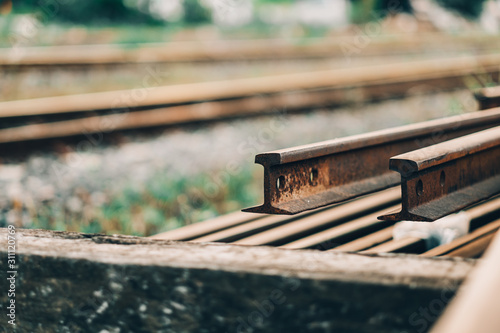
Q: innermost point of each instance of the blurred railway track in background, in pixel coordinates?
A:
(31, 72)
(114, 111)
(246, 50)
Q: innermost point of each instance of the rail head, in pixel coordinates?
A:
(314, 150)
(432, 156)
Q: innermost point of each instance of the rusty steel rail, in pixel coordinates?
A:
(488, 97)
(444, 178)
(311, 176)
(425, 71)
(48, 118)
(187, 113)
(234, 50)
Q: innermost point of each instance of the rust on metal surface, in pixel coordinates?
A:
(446, 177)
(311, 176)
(488, 97)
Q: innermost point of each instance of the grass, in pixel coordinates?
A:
(160, 204)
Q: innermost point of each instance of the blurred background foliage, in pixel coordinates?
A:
(366, 10)
(162, 203)
(195, 12)
(467, 8)
(55, 22)
(52, 22)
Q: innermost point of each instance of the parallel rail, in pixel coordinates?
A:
(202, 51)
(488, 97)
(120, 110)
(415, 72)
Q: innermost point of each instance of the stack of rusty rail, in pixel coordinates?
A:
(342, 190)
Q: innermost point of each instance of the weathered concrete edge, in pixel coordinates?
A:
(70, 282)
(395, 269)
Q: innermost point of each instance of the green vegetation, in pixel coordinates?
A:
(162, 203)
(363, 11)
(100, 12)
(135, 21)
(384, 7)
(467, 8)
(195, 13)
